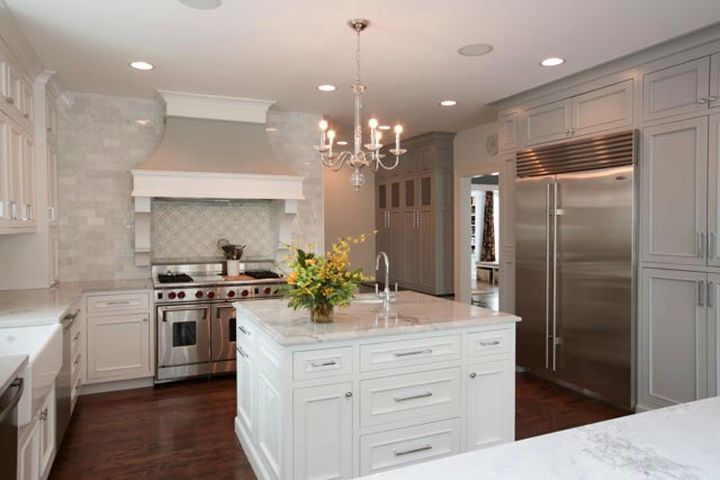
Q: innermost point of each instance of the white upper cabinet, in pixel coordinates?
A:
(17, 93)
(676, 90)
(547, 123)
(509, 131)
(673, 202)
(603, 110)
(4, 171)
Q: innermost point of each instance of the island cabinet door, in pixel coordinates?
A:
(490, 410)
(245, 390)
(322, 432)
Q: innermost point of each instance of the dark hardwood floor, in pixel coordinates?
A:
(185, 430)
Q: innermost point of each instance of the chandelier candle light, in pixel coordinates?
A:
(358, 158)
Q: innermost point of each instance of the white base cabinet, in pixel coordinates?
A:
(339, 410)
(37, 442)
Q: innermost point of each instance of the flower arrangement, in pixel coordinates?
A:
(320, 283)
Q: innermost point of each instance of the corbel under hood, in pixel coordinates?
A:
(215, 147)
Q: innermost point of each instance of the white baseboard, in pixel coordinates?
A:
(116, 386)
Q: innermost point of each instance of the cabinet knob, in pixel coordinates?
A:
(145, 319)
(26, 116)
(473, 375)
(702, 101)
(10, 100)
(348, 395)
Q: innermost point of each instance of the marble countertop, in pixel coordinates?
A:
(10, 366)
(411, 313)
(674, 443)
(20, 308)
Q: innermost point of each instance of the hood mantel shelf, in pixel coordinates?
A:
(181, 184)
(213, 147)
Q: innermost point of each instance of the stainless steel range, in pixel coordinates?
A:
(195, 320)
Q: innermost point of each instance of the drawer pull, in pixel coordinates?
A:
(119, 302)
(244, 330)
(490, 343)
(328, 363)
(77, 335)
(413, 450)
(415, 352)
(413, 396)
(241, 352)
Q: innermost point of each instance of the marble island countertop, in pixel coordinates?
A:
(411, 312)
(675, 443)
(19, 308)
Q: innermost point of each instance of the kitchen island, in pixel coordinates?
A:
(373, 390)
(679, 442)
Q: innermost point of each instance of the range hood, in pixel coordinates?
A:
(215, 147)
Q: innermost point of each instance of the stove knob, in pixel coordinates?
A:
(198, 294)
(171, 295)
(211, 294)
(231, 293)
(267, 291)
(245, 293)
(181, 295)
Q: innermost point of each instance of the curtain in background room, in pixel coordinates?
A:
(487, 252)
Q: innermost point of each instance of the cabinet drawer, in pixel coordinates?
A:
(322, 363)
(405, 446)
(75, 343)
(76, 368)
(402, 397)
(405, 353)
(102, 304)
(493, 342)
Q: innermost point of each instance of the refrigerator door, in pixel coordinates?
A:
(594, 282)
(534, 197)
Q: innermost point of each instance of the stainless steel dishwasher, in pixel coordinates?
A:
(9, 428)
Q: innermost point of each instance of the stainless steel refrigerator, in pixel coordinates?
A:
(575, 227)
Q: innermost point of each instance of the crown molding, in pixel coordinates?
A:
(215, 107)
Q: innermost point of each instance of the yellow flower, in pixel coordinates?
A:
(310, 261)
(292, 278)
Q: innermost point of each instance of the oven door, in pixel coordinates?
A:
(183, 335)
(223, 332)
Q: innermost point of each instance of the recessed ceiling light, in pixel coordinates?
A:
(384, 127)
(552, 62)
(140, 65)
(342, 143)
(448, 103)
(475, 50)
(202, 4)
(271, 129)
(327, 88)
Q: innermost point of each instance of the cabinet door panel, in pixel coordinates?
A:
(674, 202)
(323, 432)
(426, 233)
(269, 436)
(246, 392)
(489, 403)
(603, 110)
(509, 131)
(28, 179)
(118, 347)
(713, 334)
(52, 185)
(5, 169)
(715, 81)
(396, 243)
(673, 337)
(546, 123)
(16, 160)
(714, 191)
(676, 90)
(29, 455)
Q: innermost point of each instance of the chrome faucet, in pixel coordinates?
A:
(386, 295)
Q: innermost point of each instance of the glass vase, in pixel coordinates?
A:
(322, 314)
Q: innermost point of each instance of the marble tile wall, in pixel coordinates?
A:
(100, 141)
(186, 229)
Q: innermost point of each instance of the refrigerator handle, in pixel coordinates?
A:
(547, 274)
(554, 276)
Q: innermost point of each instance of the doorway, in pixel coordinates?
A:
(484, 238)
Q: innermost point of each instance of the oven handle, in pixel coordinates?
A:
(204, 308)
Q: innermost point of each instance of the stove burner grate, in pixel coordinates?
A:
(174, 278)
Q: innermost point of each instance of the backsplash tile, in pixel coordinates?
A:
(184, 229)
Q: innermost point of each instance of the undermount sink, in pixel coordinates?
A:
(43, 346)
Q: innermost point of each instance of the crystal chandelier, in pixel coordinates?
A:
(358, 158)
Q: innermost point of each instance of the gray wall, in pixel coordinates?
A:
(100, 141)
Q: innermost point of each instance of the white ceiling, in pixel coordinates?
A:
(282, 49)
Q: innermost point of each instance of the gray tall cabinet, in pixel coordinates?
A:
(671, 95)
(413, 205)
